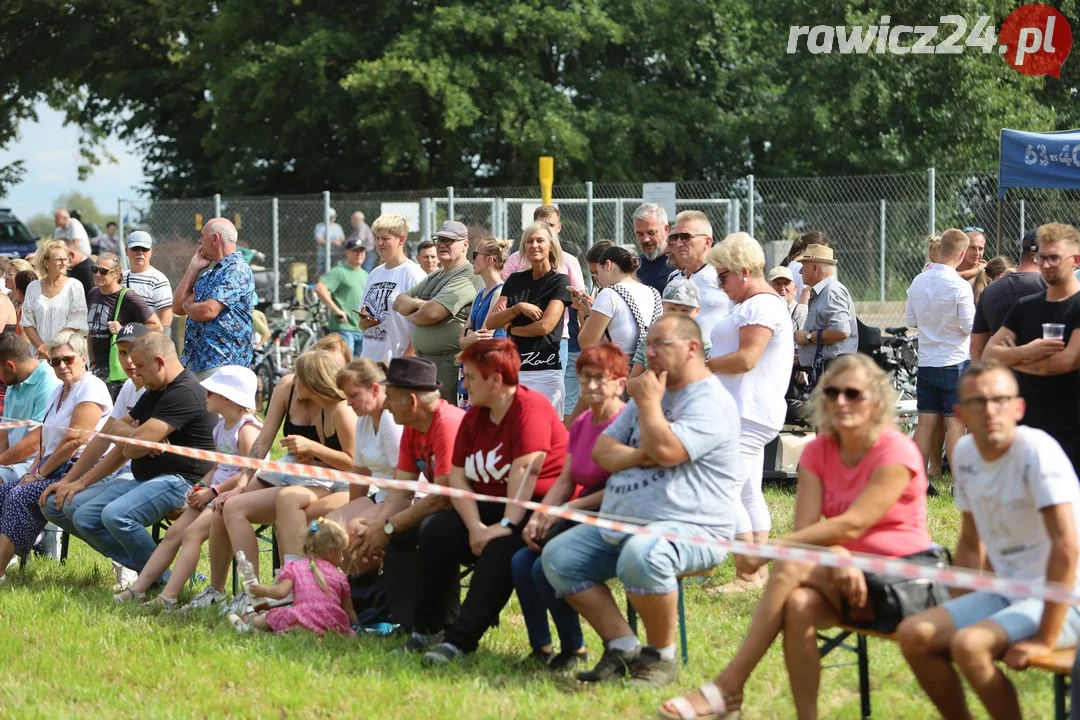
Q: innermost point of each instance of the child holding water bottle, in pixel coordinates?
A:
(321, 598)
(230, 392)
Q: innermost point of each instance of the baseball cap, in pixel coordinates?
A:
(140, 239)
(233, 382)
(453, 230)
(682, 291)
(131, 332)
(354, 244)
(333, 212)
(1029, 244)
(781, 273)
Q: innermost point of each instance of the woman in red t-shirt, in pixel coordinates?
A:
(862, 488)
(511, 443)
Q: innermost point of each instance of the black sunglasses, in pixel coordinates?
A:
(68, 360)
(100, 270)
(850, 394)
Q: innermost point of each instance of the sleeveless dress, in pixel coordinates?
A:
(313, 608)
(227, 440)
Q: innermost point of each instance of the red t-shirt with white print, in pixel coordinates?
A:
(486, 450)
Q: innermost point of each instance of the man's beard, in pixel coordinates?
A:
(658, 252)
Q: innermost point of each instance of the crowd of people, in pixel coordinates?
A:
(647, 394)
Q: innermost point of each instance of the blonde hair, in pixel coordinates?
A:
(1053, 233)
(738, 252)
(498, 250)
(334, 342)
(539, 226)
(933, 248)
(317, 371)
(323, 538)
(18, 265)
(395, 225)
(695, 216)
(71, 338)
(111, 257)
(41, 260)
(361, 371)
(878, 388)
(953, 244)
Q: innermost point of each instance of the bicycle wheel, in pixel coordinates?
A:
(303, 339)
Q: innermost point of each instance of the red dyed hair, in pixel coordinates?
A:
(499, 355)
(607, 358)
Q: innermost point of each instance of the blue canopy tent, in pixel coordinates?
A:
(1037, 160)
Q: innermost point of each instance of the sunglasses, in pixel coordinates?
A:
(972, 228)
(677, 238)
(447, 241)
(97, 269)
(479, 254)
(138, 249)
(850, 394)
(68, 360)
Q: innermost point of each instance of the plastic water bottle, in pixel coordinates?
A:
(246, 571)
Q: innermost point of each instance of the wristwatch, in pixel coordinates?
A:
(388, 528)
(508, 523)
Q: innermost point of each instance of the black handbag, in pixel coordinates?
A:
(893, 598)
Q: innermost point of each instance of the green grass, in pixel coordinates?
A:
(70, 651)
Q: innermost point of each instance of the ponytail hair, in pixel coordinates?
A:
(622, 258)
(323, 538)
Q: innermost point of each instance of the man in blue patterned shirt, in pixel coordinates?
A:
(216, 294)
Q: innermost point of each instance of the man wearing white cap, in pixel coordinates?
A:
(146, 280)
(783, 282)
(336, 236)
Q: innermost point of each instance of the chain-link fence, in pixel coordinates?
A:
(878, 224)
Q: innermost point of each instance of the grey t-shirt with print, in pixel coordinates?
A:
(702, 491)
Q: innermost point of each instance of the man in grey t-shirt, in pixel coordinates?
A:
(673, 452)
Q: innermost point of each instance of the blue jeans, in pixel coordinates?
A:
(537, 598)
(371, 259)
(564, 352)
(354, 339)
(114, 521)
(584, 556)
(936, 388)
(65, 517)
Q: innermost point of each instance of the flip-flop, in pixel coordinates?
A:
(684, 709)
(738, 585)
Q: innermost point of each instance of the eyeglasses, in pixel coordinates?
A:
(68, 360)
(101, 270)
(447, 241)
(60, 261)
(600, 380)
(679, 238)
(850, 394)
(974, 229)
(979, 404)
(1050, 260)
(480, 254)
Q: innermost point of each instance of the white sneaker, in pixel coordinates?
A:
(207, 596)
(238, 623)
(124, 577)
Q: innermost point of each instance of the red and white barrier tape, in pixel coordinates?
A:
(951, 577)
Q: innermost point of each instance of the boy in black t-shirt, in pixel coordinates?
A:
(1037, 341)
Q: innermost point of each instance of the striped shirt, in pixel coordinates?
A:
(152, 286)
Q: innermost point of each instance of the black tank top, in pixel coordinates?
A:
(290, 428)
(331, 441)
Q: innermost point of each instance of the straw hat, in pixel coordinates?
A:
(819, 254)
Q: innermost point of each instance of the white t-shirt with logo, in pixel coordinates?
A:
(1005, 497)
(389, 338)
(759, 392)
(623, 328)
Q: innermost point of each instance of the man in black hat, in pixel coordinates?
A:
(1003, 293)
(427, 446)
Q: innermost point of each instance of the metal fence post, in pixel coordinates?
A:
(881, 254)
(217, 204)
(737, 219)
(275, 249)
(1023, 221)
(425, 218)
(326, 228)
(750, 204)
(933, 201)
(449, 202)
(618, 221)
(588, 214)
(505, 213)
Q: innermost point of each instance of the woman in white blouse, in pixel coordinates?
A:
(378, 438)
(623, 309)
(55, 302)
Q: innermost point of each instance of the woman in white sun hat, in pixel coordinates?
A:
(230, 392)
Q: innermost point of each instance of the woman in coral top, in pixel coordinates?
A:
(862, 488)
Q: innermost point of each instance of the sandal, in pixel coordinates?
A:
(168, 603)
(738, 585)
(129, 595)
(684, 709)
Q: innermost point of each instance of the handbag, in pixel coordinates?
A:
(116, 371)
(893, 598)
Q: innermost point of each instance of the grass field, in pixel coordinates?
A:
(70, 651)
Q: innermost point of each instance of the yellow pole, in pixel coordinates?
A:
(547, 178)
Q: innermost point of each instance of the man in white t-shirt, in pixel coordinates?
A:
(146, 280)
(335, 235)
(941, 304)
(689, 243)
(69, 228)
(1020, 499)
(386, 333)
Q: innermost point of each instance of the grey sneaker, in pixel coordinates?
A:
(420, 642)
(652, 671)
(239, 605)
(443, 654)
(613, 664)
(206, 597)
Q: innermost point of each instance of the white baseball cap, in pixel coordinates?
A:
(233, 382)
(140, 239)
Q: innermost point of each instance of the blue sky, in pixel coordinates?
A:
(51, 152)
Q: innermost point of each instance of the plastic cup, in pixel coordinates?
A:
(1053, 331)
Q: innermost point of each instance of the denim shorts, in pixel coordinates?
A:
(585, 556)
(1019, 618)
(936, 388)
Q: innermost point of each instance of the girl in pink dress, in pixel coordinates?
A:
(321, 596)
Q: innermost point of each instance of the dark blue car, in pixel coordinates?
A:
(16, 240)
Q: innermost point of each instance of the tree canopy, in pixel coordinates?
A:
(288, 96)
